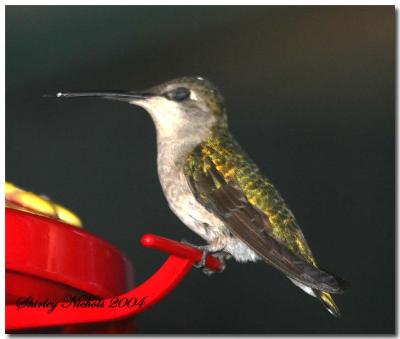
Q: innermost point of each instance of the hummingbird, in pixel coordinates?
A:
(216, 190)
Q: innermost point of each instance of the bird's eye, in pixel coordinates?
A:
(178, 94)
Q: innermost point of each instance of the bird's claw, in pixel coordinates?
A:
(202, 263)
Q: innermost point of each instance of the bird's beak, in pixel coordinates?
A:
(111, 95)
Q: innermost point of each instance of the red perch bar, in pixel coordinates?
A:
(23, 228)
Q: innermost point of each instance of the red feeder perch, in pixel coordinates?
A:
(50, 259)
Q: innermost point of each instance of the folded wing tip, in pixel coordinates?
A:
(341, 285)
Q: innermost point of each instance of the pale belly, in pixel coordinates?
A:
(195, 216)
(183, 203)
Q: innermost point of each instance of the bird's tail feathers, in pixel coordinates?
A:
(325, 298)
(328, 303)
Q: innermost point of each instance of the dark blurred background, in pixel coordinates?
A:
(310, 96)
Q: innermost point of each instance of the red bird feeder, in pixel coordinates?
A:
(64, 279)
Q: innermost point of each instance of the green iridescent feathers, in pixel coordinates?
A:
(223, 153)
(225, 180)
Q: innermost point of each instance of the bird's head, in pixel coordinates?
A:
(183, 107)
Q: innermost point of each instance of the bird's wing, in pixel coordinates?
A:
(251, 225)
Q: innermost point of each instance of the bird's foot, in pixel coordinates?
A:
(209, 249)
(204, 249)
